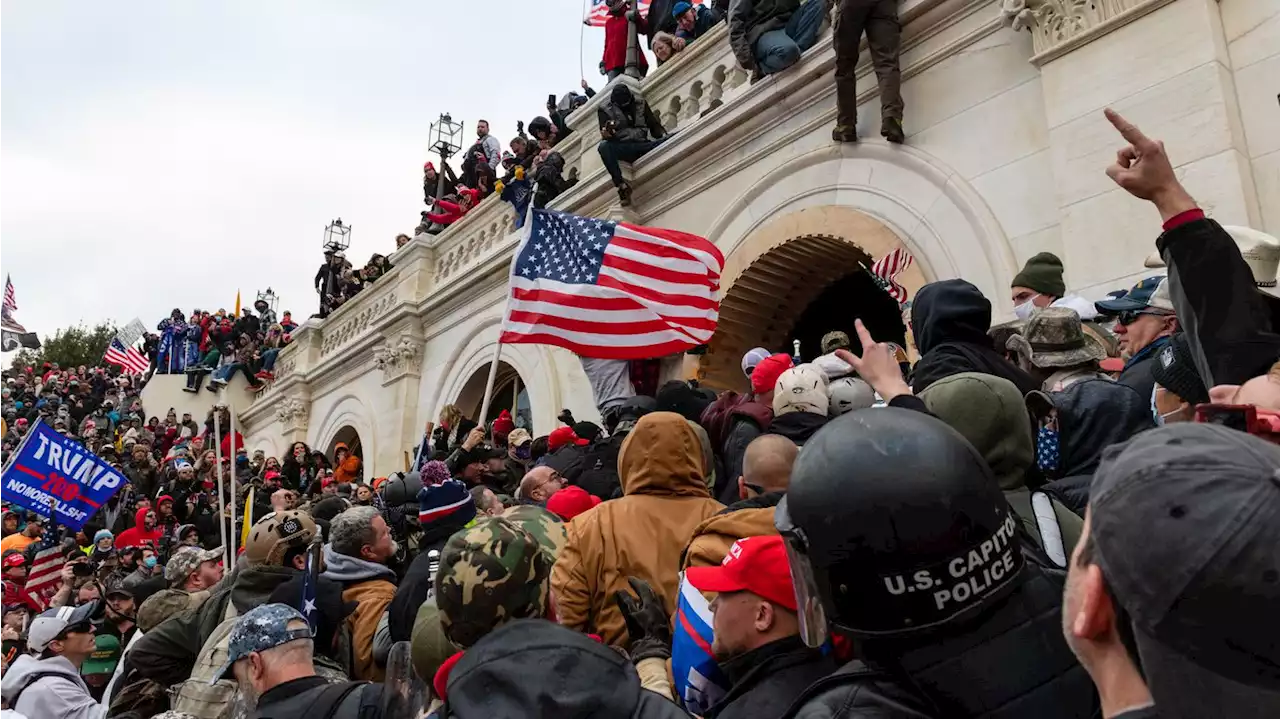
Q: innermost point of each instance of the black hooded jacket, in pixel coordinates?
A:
(420, 577)
(950, 320)
(535, 667)
(1093, 414)
(767, 679)
(797, 426)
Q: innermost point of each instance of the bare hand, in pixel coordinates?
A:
(9, 634)
(67, 574)
(877, 365)
(584, 84)
(1143, 169)
(474, 437)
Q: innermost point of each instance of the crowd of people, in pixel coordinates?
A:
(337, 280)
(1071, 515)
(220, 344)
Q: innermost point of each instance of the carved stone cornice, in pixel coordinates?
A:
(293, 413)
(1060, 26)
(399, 357)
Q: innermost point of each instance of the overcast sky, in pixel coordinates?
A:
(165, 154)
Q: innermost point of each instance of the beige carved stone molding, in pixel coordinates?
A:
(292, 412)
(1060, 26)
(399, 357)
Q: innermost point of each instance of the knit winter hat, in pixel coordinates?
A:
(1176, 371)
(680, 8)
(766, 374)
(503, 424)
(801, 389)
(434, 472)
(1042, 273)
(446, 499)
(102, 534)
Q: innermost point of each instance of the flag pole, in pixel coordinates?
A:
(497, 350)
(231, 412)
(217, 454)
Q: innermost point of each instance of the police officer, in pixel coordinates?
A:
(899, 539)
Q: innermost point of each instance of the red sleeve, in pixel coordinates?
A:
(1183, 218)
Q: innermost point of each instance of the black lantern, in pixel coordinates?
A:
(445, 137)
(268, 296)
(337, 236)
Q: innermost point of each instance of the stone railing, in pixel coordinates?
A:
(471, 238)
(699, 79)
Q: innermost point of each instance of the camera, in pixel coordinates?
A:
(81, 569)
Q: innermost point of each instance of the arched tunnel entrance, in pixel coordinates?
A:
(800, 289)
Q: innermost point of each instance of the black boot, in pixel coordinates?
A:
(844, 133)
(624, 194)
(891, 129)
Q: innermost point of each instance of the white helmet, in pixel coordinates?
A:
(849, 393)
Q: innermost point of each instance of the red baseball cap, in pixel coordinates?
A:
(14, 559)
(570, 502)
(562, 436)
(753, 564)
(767, 372)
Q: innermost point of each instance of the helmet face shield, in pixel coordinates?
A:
(809, 609)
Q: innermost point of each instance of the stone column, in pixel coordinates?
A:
(399, 357)
(1164, 65)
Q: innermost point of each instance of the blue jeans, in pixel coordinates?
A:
(778, 50)
(269, 359)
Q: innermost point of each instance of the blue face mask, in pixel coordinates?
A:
(149, 562)
(1047, 450)
(524, 452)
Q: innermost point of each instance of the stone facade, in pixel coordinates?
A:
(1005, 152)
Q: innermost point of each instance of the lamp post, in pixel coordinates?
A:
(632, 68)
(268, 296)
(445, 137)
(337, 236)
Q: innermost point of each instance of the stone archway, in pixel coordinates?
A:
(349, 436)
(510, 392)
(775, 274)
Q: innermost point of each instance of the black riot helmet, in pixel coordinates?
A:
(401, 489)
(894, 525)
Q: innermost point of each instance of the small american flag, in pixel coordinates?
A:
(10, 299)
(599, 12)
(128, 357)
(310, 577)
(612, 290)
(46, 569)
(888, 267)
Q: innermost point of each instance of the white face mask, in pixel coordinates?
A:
(1024, 310)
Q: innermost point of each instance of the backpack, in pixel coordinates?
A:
(12, 700)
(599, 465)
(199, 695)
(717, 418)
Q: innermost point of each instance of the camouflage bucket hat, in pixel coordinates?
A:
(187, 560)
(544, 526)
(1057, 339)
(490, 573)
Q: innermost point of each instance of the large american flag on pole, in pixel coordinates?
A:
(128, 357)
(10, 298)
(888, 267)
(599, 12)
(612, 290)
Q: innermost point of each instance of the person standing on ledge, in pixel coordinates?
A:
(879, 18)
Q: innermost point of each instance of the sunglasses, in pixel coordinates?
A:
(1128, 317)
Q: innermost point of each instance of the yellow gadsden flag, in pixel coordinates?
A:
(237, 305)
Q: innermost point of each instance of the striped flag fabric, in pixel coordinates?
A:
(698, 678)
(888, 267)
(611, 290)
(10, 299)
(46, 570)
(599, 12)
(128, 357)
(310, 578)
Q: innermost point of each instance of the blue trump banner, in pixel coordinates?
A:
(49, 470)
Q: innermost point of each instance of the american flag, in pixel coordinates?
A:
(599, 12)
(128, 357)
(46, 569)
(310, 577)
(612, 290)
(888, 267)
(10, 299)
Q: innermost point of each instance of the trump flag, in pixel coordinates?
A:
(52, 471)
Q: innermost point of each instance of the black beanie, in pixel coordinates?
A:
(1175, 370)
(1042, 273)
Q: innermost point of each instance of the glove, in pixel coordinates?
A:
(646, 620)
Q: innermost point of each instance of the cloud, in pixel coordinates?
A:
(161, 156)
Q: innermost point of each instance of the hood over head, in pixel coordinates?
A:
(341, 568)
(253, 585)
(536, 663)
(950, 311)
(989, 412)
(662, 455)
(140, 517)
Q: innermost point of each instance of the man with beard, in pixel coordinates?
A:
(357, 554)
(148, 566)
(144, 530)
(142, 469)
